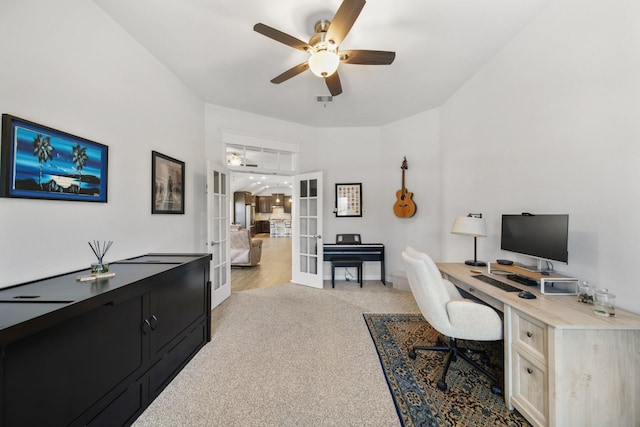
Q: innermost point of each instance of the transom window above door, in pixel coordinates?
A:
(245, 158)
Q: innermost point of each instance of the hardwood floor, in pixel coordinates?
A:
(274, 268)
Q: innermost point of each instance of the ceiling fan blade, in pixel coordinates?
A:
(333, 83)
(343, 20)
(281, 37)
(292, 72)
(367, 57)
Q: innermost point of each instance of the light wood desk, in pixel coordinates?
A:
(564, 365)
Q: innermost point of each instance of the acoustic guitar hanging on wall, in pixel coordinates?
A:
(404, 206)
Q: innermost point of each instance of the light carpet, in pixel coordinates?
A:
(287, 356)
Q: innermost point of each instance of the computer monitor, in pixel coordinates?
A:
(543, 237)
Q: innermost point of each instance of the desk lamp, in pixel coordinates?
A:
(471, 225)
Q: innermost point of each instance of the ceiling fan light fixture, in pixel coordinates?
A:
(234, 160)
(324, 63)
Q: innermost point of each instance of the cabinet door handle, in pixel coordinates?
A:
(529, 334)
(153, 322)
(146, 327)
(529, 371)
(472, 289)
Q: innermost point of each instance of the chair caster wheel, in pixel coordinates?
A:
(412, 354)
(442, 385)
(495, 389)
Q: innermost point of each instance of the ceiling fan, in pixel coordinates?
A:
(323, 47)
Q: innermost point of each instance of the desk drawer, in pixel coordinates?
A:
(530, 388)
(530, 334)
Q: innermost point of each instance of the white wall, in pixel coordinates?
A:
(68, 66)
(548, 125)
(417, 138)
(551, 125)
(371, 156)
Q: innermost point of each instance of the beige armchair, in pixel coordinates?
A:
(244, 250)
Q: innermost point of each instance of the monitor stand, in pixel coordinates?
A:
(537, 268)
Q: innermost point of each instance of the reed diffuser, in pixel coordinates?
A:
(100, 250)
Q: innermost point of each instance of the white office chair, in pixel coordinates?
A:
(453, 316)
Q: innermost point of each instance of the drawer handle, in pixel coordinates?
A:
(472, 289)
(146, 327)
(529, 334)
(529, 371)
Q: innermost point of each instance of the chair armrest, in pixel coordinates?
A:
(473, 321)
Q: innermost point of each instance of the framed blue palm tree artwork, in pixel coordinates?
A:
(39, 162)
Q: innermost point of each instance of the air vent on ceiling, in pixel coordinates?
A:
(324, 99)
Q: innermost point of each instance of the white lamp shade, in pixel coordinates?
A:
(324, 63)
(469, 226)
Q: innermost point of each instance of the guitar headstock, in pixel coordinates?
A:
(404, 164)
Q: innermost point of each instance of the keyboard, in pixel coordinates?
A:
(524, 280)
(498, 284)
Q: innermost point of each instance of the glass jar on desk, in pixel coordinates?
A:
(604, 303)
(585, 293)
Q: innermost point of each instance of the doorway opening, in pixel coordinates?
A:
(262, 169)
(270, 222)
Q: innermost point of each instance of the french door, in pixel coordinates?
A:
(306, 247)
(218, 232)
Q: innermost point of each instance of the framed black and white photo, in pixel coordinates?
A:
(167, 184)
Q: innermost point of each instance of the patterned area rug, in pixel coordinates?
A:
(413, 383)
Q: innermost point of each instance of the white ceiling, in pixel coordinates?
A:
(210, 45)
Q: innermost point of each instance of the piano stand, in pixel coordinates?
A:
(345, 262)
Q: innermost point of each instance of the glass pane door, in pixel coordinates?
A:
(307, 230)
(218, 232)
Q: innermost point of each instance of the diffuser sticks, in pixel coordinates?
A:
(100, 251)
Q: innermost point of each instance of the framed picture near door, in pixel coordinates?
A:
(167, 184)
(349, 200)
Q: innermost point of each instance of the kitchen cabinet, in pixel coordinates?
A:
(115, 343)
(262, 226)
(264, 204)
(277, 199)
(287, 204)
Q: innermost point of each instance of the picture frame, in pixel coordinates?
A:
(39, 162)
(167, 184)
(348, 200)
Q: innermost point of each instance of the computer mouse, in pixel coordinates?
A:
(526, 295)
